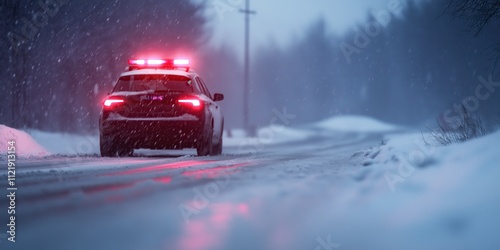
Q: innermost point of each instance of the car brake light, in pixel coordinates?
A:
(111, 102)
(191, 102)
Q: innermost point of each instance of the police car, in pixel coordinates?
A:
(160, 104)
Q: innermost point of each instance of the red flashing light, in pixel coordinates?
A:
(137, 62)
(156, 62)
(159, 62)
(181, 62)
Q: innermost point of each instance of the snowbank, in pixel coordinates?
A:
(429, 197)
(268, 135)
(281, 134)
(355, 124)
(66, 144)
(25, 145)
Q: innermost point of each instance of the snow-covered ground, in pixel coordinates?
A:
(25, 145)
(66, 143)
(274, 134)
(415, 196)
(354, 123)
(346, 188)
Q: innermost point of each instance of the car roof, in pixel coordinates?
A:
(190, 74)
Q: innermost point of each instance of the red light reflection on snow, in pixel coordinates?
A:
(110, 187)
(164, 179)
(243, 209)
(213, 172)
(210, 233)
(162, 167)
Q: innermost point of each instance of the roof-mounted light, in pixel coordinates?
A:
(158, 63)
(147, 62)
(137, 62)
(155, 62)
(179, 62)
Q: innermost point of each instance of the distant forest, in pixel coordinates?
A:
(405, 66)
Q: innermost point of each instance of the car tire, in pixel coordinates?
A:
(125, 151)
(107, 146)
(217, 148)
(205, 146)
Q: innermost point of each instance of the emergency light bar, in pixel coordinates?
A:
(181, 62)
(158, 63)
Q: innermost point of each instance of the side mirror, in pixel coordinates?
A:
(218, 97)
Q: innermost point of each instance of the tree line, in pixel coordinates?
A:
(404, 64)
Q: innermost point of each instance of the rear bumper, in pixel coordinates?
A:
(154, 133)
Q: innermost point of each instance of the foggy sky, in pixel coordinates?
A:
(281, 21)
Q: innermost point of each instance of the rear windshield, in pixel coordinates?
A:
(171, 83)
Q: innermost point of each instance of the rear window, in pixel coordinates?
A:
(171, 83)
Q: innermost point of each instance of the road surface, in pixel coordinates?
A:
(251, 197)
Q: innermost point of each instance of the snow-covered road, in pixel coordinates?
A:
(252, 197)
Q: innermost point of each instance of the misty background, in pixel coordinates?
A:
(404, 62)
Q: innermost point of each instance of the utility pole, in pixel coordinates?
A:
(246, 87)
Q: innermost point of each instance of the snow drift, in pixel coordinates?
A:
(427, 197)
(26, 146)
(355, 124)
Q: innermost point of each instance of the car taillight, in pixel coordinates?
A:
(112, 102)
(193, 103)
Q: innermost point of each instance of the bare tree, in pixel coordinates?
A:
(478, 14)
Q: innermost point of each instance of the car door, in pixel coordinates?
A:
(214, 109)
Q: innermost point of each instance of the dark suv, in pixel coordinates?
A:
(160, 104)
